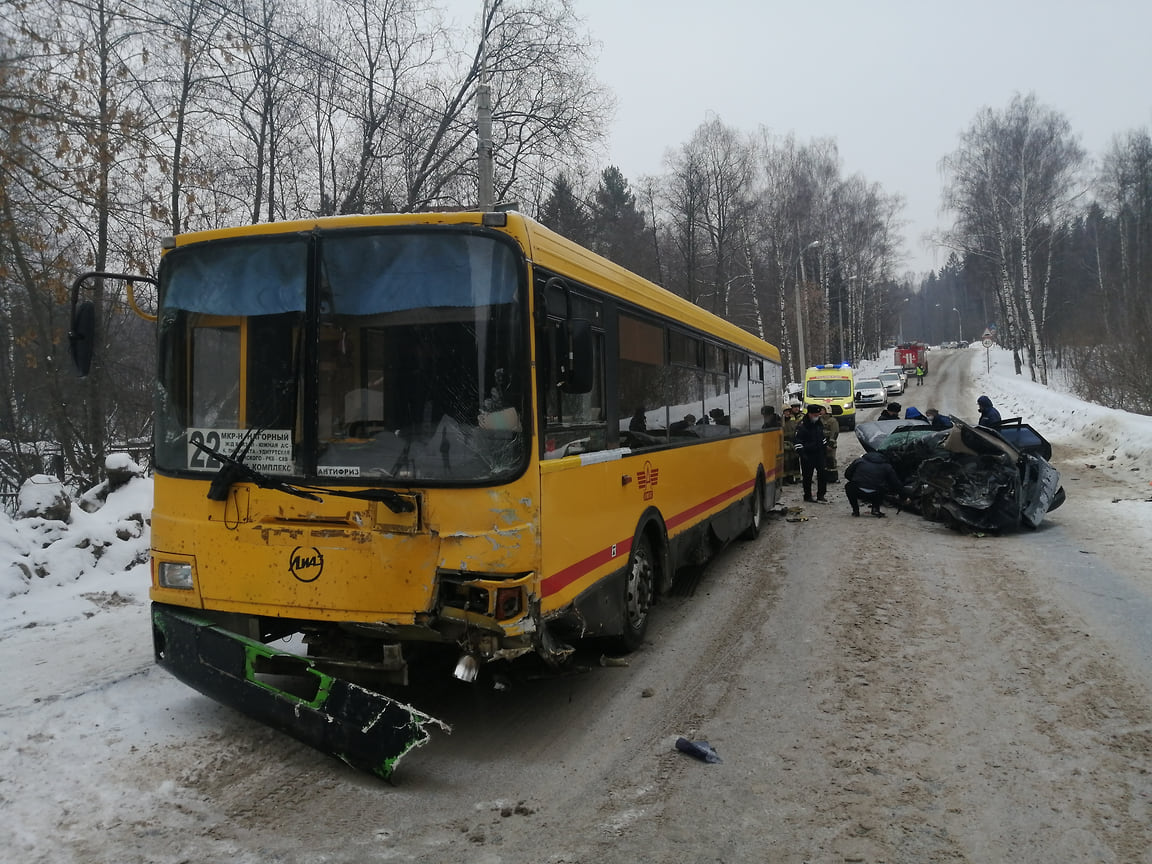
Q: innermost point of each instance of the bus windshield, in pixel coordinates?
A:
(384, 356)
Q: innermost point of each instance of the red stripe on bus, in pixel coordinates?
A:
(680, 518)
(563, 578)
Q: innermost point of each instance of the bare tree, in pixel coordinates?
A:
(1012, 182)
(685, 187)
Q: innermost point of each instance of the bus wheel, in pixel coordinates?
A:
(639, 590)
(753, 529)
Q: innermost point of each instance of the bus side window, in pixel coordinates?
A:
(643, 380)
(575, 423)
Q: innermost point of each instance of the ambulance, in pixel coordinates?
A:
(834, 387)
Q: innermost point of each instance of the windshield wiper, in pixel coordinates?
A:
(233, 470)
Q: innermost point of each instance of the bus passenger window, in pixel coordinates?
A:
(686, 404)
(642, 381)
(741, 421)
(716, 403)
(575, 422)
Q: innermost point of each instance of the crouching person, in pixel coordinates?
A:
(869, 478)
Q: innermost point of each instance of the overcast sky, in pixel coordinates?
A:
(894, 82)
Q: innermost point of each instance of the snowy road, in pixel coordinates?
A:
(879, 690)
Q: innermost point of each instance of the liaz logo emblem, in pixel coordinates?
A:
(306, 563)
(647, 478)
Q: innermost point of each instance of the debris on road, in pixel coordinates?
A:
(702, 750)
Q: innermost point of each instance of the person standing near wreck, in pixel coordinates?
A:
(989, 416)
(831, 432)
(811, 439)
(891, 411)
(791, 455)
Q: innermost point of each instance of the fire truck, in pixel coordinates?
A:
(910, 355)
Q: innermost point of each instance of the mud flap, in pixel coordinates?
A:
(367, 730)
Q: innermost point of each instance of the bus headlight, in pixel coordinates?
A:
(175, 574)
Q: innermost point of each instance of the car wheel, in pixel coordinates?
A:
(639, 590)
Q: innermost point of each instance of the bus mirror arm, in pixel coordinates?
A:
(82, 317)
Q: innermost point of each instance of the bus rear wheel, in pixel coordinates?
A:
(639, 591)
(753, 529)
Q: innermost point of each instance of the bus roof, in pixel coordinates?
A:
(555, 252)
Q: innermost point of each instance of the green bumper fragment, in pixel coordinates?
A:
(368, 730)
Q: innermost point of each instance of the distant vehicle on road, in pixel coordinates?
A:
(833, 386)
(909, 355)
(893, 383)
(870, 391)
(899, 370)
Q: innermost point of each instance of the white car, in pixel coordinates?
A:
(870, 391)
(893, 383)
(898, 370)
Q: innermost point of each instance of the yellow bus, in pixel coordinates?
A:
(379, 434)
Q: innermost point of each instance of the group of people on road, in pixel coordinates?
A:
(810, 451)
(810, 448)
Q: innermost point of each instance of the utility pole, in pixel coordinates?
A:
(485, 193)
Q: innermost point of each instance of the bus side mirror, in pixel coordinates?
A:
(82, 337)
(577, 362)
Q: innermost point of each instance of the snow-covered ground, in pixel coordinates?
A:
(74, 619)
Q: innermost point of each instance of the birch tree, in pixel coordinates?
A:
(1012, 183)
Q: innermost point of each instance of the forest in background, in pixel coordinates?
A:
(127, 122)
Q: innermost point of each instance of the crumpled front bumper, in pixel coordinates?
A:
(367, 730)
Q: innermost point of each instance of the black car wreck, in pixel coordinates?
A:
(969, 476)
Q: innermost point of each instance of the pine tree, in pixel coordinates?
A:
(565, 213)
(619, 232)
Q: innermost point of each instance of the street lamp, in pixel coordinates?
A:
(799, 316)
(959, 322)
(900, 319)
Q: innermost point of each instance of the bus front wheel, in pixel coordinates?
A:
(639, 590)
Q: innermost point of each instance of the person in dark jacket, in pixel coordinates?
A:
(771, 418)
(811, 439)
(937, 420)
(869, 477)
(890, 412)
(989, 416)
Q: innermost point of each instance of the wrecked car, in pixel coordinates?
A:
(970, 476)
